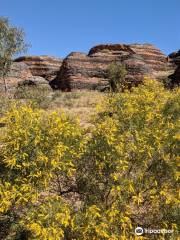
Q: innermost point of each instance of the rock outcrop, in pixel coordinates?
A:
(32, 70)
(19, 73)
(35, 81)
(89, 71)
(81, 71)
(175, 59)
(43, 66)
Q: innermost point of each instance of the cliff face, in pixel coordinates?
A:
(43, 66)
(81, 71)
(175, 59)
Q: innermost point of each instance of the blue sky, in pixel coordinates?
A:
(58, 27)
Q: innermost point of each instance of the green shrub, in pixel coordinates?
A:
(117, 77)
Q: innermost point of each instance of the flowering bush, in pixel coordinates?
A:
(36, 147)
(60, 182)
(130, 165)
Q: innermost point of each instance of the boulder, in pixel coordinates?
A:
(35, 81)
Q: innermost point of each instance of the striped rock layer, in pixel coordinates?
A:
(32, 70)
(89, 71)
(43, 66)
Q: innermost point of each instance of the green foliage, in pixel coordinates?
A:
(59, 182)
(116, 75)
(11, 43)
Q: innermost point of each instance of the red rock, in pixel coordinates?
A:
(43, 66)
(81, 71)
(110, 47)
(89, 71)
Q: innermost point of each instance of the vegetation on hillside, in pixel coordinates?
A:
(60, 180)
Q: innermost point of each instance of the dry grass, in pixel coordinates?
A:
(81, 104)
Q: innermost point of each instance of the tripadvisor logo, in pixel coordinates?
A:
(139, 231)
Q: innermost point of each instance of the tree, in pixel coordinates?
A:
(11, 43)
(116, 74)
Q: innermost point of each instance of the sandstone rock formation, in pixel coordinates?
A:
(81, 71)
(19, 73)
(35, 81)
(89, 71)
(29, 70)
(175, 59)
(43, 66)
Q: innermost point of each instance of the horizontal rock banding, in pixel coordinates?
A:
(139, 59)
(89, 71)
(152, 56)
(44, 66)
